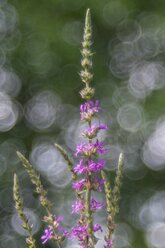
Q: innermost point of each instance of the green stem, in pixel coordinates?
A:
(89, 218)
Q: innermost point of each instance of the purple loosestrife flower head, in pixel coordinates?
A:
(88, 109)
(96, 166)
(89, 166)
(47, 235)
(79, 206)
(89, 149)
(79, 168)
(79, 185)
(100, 147)
(97, 184)
(85, 149)
(80, 231)
(97, 227)
(92, 131)
(54, 229)
(96, 205)
(103, 127)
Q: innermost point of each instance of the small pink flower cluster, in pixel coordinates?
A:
(88, 109)
(49, 231)
(88, 168)
(79, 206)
(97, 184)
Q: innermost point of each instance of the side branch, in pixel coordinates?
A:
(20, 210)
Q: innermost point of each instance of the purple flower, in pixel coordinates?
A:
(85, 149)
(78, 206)
(90, 149)
(89, 166)
(92, 131)
(79, 168)
(88, 109)
(103, 127)
(100, 147)
(47, 235)
(97, 227)
(80, 231)
(79, 185)
(97, 184)
(109, 243)
(95, 205)
(96, 166)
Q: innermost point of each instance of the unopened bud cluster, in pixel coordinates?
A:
(86, 62)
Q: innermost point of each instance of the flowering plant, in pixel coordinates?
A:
(88, 174)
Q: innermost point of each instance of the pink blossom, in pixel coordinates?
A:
(78, 206)
(96, 205)
(88, 109)
(92, 131)
(79, 185)
(89, 149)
(89, 166)
(97, 227)
(47, 235)
(109, 243)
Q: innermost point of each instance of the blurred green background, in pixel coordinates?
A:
(40, 44)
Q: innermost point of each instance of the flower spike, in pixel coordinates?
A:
(20, 210)
(86, 62)
(35, 179)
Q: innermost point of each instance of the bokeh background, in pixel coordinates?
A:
(40, 45)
